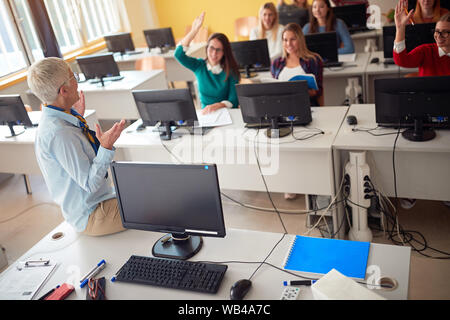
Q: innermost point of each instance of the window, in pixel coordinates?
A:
(12, 57)
(63, 19)
(26, 27)
(101, 17)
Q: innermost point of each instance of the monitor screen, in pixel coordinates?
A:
(282, 103)
(98, 66)
(173, 107)
(183, 200)
(252, 55)
(412, 102)
(159, 38)
(13, 112)
(325, 44)
(354, 16)
(415, 35)
(299, 16)
(121, 42)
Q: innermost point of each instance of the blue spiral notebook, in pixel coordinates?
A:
(320, 255)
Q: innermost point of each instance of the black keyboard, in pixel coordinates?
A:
(170, 273)
(330, 64)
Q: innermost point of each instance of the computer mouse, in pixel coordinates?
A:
(375, 60)
(240, 289)
(351, 120)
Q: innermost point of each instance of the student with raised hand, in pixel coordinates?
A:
(73, 159)
(428, 11)
(216, 75)
(269, 28)
(322, 19)
(432, 59)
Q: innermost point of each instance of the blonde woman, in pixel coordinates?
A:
(297, 59)
(268, 28)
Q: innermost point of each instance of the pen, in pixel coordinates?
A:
(100, 266)
(299, 283)
(410, 19)
(48, 293)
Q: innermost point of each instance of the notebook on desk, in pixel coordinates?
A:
(320, 255)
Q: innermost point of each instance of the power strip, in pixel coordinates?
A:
(290, 293)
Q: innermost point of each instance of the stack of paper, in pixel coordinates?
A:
(220, 117)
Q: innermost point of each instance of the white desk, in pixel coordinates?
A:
(78, 253)
(115, 100)
(335, 79)
(378, 71)
(422, 168)
(174, 70)
(17, 153)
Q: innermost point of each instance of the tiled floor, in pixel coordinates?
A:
(25, 219)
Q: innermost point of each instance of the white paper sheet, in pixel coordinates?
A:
(349, 57)
(220, 117)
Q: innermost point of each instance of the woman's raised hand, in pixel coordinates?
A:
(401, 13)
(198, 22)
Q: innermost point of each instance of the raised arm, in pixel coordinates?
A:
(196, 26)
(401, 19)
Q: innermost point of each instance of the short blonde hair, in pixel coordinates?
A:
(46, 76)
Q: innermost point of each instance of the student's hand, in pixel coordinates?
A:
(198, 22)
(80, 105)
(400, 16)
(312, 92)
(213, 107)
(108, 138)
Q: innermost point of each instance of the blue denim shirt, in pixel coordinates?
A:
(73, 173)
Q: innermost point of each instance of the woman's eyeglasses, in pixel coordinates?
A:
(444, 33)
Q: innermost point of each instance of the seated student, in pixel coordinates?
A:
(73, 159)
(339, 3)
(428, 11)
(297, 59)
(216, 75)
(268, 28)
(431, 59)
(322, 19)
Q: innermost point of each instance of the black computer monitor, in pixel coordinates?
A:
(354, 16)
(251, 56)
(159, 38)
(280, 104)
(13, 112)
(98, 67)
(421, 103)
(171, 108)
(121, 42)
(299, 16)
(325, 44)
(182, 200)
(415, 35)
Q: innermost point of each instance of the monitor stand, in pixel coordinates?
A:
(11, 129)
(166, 133)
(177, 246)
(419, 134)
(248, 74)
(275, 131)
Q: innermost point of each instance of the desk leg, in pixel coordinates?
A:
(27, 184)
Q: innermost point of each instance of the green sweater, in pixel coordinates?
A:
(213, 88)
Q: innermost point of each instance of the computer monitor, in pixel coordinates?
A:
(251, 56)
(179, 199)
(354, 16)
(299, 16)
(415, 35)
(98, 67)
(121, 42)
(13, 112)
(421, 103)
(280, 104)
(171, 108)
(325, 44)
(159, 38)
